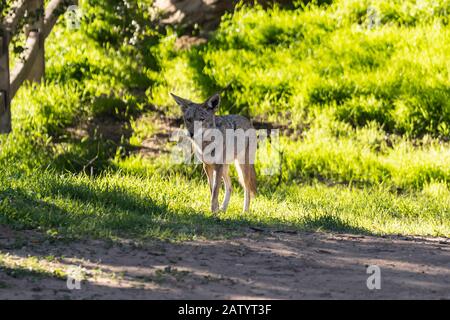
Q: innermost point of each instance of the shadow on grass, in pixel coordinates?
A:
(333, 223)
(91, 144)
(75, 208)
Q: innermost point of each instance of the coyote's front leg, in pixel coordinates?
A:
(209, 174)
(228, 187)
(215, 188)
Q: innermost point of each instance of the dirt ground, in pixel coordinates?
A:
(260, 265)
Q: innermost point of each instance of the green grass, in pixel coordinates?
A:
(365, 110)
(176, 208)
(285, 65)
(369, 105)
(29, 267)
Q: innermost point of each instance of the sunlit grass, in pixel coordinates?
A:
(366, 109)
(116, 205)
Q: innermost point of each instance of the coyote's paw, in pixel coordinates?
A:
(215, 209)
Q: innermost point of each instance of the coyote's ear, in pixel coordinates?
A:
(183, 103)
(212, 104)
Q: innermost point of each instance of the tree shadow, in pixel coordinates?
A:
(76, 208)
(92, 142)
(297, 266)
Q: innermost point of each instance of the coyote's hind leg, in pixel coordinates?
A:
(247, 178)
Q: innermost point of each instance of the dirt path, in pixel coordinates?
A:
(260, 265)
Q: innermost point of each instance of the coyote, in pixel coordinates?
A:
(200, 119)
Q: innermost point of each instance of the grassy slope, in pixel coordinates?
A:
(368, 108)
(370, 104)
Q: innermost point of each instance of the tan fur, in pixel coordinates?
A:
(249, 177)
(215, 172)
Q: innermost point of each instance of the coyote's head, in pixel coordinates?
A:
(200, 112)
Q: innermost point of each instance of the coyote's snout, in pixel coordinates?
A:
(234, 141)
